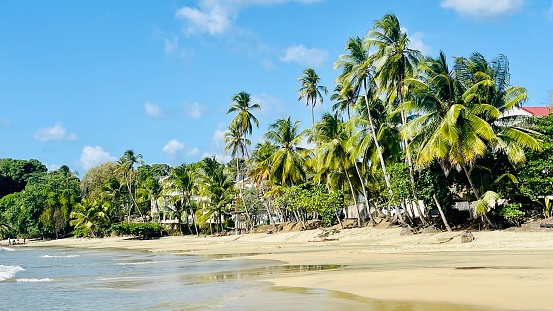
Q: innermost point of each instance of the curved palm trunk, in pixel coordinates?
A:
(373, 132)
(364, 193)
(407, 154)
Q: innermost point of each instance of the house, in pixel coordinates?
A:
(529, 111)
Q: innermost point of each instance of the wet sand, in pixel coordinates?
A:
(500, 270)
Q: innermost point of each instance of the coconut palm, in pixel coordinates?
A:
(217, 187)
(490, 83)
(395, 62)
(126, 165)
(332, 155)
(311, 90)
(244, 117)
(88, 216)
(288, 162)
(183, 179)
(239, 146)
(358, 77)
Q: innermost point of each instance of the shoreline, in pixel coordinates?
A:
(505, 270)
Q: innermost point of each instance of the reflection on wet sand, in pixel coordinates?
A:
(245, 274)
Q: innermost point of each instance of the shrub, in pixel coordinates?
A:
(141, 230)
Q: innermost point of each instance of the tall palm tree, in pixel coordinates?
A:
(239, 146)
(288, 162)
(395, 62)
(343, 100)
(217, 187)
(332, 155)
(311, 90)
(126, 164)
(449, 127)
(358, 77)
(244, 117)
(183, 178)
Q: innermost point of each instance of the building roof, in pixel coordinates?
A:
(538, 111)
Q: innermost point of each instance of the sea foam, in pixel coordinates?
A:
(60, 256)
(6, 249)
(35, 280)
(8, 272)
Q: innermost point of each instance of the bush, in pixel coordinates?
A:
(141, 230)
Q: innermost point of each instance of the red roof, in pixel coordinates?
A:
(539, 111)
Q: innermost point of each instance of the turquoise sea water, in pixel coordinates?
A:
(71, 279)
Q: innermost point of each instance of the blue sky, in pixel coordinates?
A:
(83, 81)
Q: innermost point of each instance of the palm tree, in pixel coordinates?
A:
(311, 90)
(261, 171)
(244, 118)
(126, 165)
(332, 156)
(183, 178)
(396, 61)
(491, 85)
(448, 127)
(239, 146)
(343, 100)
(88, 216)
(357, 76)
(218, 187)
(288, 162)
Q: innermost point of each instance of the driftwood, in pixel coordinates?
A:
(323, 236)
(542, 225)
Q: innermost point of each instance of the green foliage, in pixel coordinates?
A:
(511, 212)
(141, 230)
(399, 183)
(312, 199)
(432, 181)
(14, 174)
(536, 175)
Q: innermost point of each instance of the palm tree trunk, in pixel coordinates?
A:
(472, 186)
(442, 213)
(240, 190)
(373, 132)
(354, 196)
(364, 192)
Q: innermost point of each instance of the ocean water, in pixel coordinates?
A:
(71, 279)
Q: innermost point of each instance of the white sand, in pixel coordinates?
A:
(500, 269)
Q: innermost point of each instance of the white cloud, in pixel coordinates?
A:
(153, 110)
(222, 158)
(172, 147)
(306, 144)
(5, 122)
(483, 8)
(218, 137)
(417, 43)
(193, 152)
(270, 105)
(212, 18)
(267, 64)
(57, 132)
(216, 17)
(194, 110)
(171, 44)
(304, 56)
(92, 156)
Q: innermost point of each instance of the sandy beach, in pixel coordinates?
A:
(500, 270)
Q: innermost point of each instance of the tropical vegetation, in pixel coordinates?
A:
(408, 136)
